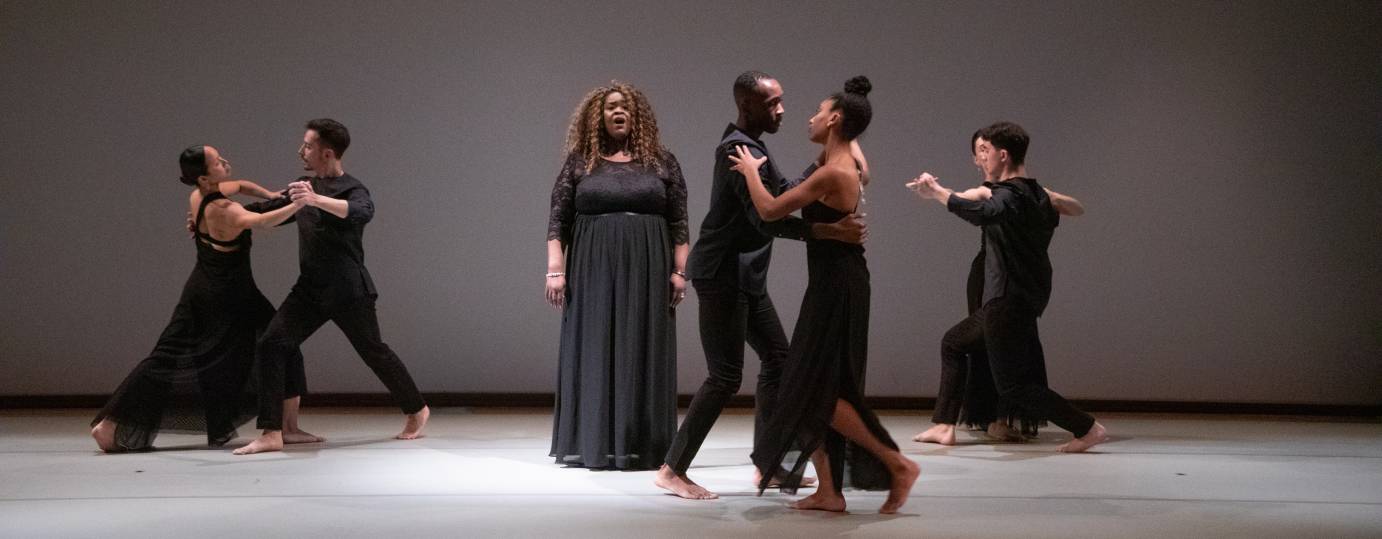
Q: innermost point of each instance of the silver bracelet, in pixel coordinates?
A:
(680, 273)
(552, 274)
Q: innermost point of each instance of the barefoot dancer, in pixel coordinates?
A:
(196, 377)
(729, 269)
(333, 285)
(820, 403)
(1019, 221)
(967, 393)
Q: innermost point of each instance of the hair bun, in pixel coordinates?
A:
(858, 85)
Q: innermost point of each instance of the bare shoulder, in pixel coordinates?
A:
(835, 173)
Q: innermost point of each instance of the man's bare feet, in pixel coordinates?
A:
(104, 434)
(1002, 432)
(681, 485)
(412, 428)
(271, 440)
(940, 434)
(820, 501)
(1096, 435)
(299, 436)
(806, 480)
(904, 476)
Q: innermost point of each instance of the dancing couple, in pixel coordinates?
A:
(198, 378)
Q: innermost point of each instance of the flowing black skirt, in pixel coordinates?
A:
(198, 377)
(616, 380)
(826, 362)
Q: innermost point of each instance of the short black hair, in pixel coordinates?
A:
(332, 134)
(972, 138)
(747, 83)
(192, 163)
(853, 103)
(1008, 136)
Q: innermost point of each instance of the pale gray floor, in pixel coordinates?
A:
(485, 473)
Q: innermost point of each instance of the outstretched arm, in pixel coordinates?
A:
(242, 218)
(247, 188)
(1065, 204)
(773, 208)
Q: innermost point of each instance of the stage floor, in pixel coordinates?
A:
(485, 473)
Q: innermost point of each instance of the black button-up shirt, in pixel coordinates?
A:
(1018, 223)
(732, 232)
(331, 253)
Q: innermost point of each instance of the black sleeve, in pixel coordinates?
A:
(790, 227)
(676, 201)
(1002, 206)
(359, 206)
(563, 211)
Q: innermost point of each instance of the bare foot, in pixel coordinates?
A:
(1002, 432)
(820, 501)
(1096, 435)
(681, 485)
(104, 434)
(904, 477)
(412, 428)
(299, 436)
(940, 434)
(806, 480)
(271, 440)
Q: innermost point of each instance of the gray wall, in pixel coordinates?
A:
(1227, 152)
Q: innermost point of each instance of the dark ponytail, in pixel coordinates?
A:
(853, 103)
(192, 161)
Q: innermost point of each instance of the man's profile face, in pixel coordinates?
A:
(765, 107)
(311, 151)
(990, 160)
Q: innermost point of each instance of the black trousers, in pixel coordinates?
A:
(296, 320)
(966, 380)
(728, 318)
(1009, 327)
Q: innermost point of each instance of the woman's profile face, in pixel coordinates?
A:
(617, 118)
(818, 127)
(217, 167)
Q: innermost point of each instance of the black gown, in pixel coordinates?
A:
(198, 377)
(616, 381)
(826, 362)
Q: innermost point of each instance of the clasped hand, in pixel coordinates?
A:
(928, 186)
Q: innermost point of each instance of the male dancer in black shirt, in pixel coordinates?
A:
(1018, 222)
(333, 285)
(729, 268)
(966, 383)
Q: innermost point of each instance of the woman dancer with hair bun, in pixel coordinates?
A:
(197, 377)
(821, 414)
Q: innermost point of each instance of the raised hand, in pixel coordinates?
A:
(928, 186)
(744, 161)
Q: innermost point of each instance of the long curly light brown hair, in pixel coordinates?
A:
(587, 137)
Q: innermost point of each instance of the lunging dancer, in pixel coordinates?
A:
(197, 377)
(1018, 222)
(333, 286)
(967, 393)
